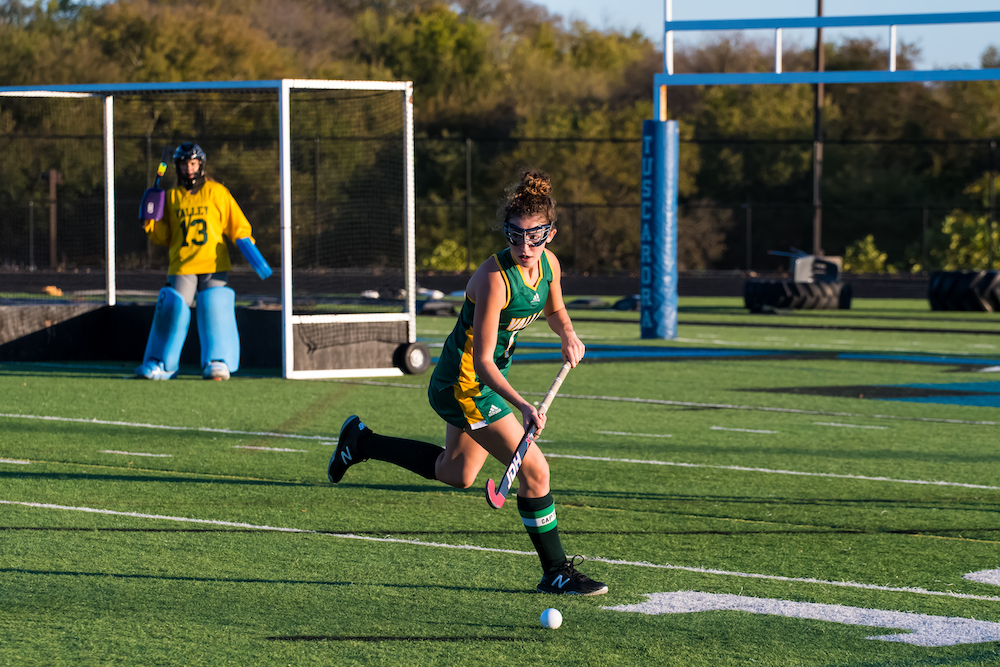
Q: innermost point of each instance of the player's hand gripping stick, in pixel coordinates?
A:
(153, 199)
(496, 497)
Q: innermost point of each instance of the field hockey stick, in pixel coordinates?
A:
(496, 497)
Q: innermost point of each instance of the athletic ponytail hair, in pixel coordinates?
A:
(527, 198)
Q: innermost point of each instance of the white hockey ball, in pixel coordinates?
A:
(551, 619)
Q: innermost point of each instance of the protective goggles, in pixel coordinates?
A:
(534, 237)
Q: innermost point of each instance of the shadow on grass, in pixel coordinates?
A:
(169, 476)
(991, 657)
(224, 580)
(383, 638)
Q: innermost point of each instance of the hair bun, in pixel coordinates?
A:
(535, 183)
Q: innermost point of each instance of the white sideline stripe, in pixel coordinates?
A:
(16, 461)
(794, 411)
(741, 430)
(115, 451)
(990, 369)
(866, 478)
(720, 406)
(644, 435)
(271, 449)
(881, 428)
(470, 547)
(323, 439)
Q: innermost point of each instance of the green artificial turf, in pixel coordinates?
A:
(780, 478)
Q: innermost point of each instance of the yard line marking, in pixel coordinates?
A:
(991, 577)
(865, 478)
(324, 439)
(115, 451)
(882, 428)
(471, 547)
(271, 449)
(644, 435)
(741, 430)
(924, 629)
(16, 461)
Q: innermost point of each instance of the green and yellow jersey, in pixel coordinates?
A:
(193, 226)
(455, 371)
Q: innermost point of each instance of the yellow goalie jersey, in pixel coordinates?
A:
(193, 226)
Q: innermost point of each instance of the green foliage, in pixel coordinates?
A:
(447, 256)
(968, 240)
(863, 257)
(503, 70)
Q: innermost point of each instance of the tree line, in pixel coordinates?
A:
(907, 168)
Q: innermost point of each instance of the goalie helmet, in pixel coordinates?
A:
(190, 151)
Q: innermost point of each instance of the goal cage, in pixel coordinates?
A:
(322, 169)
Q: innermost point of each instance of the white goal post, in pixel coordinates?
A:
(347, 263)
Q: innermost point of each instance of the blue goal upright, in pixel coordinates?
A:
(658, 260)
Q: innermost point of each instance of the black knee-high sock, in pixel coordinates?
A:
(414, 455)
(539, 517)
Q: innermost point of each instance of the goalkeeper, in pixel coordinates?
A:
(195, 217)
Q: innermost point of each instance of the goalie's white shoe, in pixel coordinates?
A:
(154, 370)
(215, 370)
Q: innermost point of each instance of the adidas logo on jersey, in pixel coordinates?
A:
(534, 299)
(494, 410)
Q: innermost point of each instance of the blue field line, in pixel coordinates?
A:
(981, 394)
(972, 400)
(981, 387)
(625, 352)
(917, 358)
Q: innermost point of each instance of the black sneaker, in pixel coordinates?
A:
(568, 581)
(347, 452)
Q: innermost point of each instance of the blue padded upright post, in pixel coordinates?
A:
(217, 332)
(169, 330)
(658, 230)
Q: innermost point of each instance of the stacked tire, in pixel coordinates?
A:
(977, 291)
(769, 295)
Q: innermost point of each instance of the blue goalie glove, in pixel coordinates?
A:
(253, 256)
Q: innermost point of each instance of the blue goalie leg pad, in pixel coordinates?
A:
(253, 256)
(166, 336)
(220, 339)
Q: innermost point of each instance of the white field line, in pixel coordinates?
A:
(115, 451)
(642, 435)
(719, 406)
(470, 547)
(823, 346)
(326, 441)
(16, 462)
(882, 428)
(794, 411)
(865, 478)
(322, 439)
(271, 449)
(740, 430)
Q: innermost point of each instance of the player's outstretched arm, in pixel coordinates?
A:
(558, 319)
